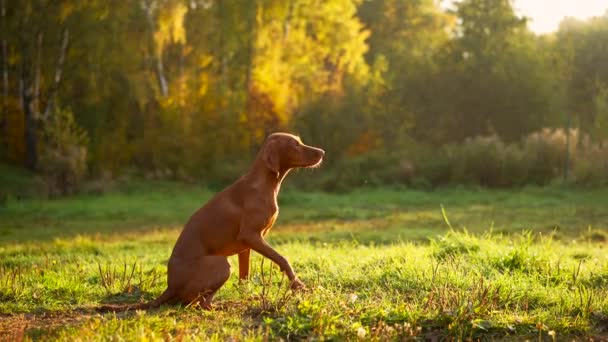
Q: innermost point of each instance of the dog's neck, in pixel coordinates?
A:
(260, 175)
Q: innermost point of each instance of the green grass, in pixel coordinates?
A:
(16, 182)
(379, 264)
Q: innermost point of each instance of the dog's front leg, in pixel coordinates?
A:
(244, 264)
(258, 244)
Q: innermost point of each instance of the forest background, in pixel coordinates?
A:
(411, 92)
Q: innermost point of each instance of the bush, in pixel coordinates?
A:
(431, 167)
(63, 153)
(477, 160)
(545, 153)
(373, 168)
(482, 161)
(515, 166)
(539, 158)
(485, 161)
(17, 183)
(590, 164)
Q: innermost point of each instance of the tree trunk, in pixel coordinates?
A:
(65, 40)
(160, 70)
(36, 99)
(30, 137)
(4, 111)
(287, 21)
(221, 51)
(250, 112)
(251, 51)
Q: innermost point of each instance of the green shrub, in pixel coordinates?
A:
(590, 165)
(431, 167)
(18, 183)
(479, 160)
(539, 159)
(63, 153)
(545, 153)
(515, 168)
(370, 169)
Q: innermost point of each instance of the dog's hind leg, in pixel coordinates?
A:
(211, 273)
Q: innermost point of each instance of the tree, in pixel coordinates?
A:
(491, 51)
(41, 28)
(599, 130)
(306, 50)
(583, 44)
(406, 41)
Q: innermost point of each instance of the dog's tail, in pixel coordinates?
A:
(167, 296)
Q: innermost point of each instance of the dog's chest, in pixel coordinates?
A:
(270, 221)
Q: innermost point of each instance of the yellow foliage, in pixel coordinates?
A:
(170, 26)
(307, 50)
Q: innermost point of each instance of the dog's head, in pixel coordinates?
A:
(283, 151)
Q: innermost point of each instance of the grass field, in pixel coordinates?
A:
(379, 264)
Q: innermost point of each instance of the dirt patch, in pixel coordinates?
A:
(16, 327)
(42, 325)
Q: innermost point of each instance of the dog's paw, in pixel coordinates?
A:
(296, 284)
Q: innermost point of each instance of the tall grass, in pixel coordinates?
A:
(383, 264)
(489, 286)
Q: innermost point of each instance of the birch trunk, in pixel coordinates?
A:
(30, 137)
(65, 40)
(160, 69)
(36, 99)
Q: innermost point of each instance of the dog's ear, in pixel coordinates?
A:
(271, 156)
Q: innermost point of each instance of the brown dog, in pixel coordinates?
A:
(234, 222)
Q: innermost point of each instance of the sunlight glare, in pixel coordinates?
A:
(545, 16)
